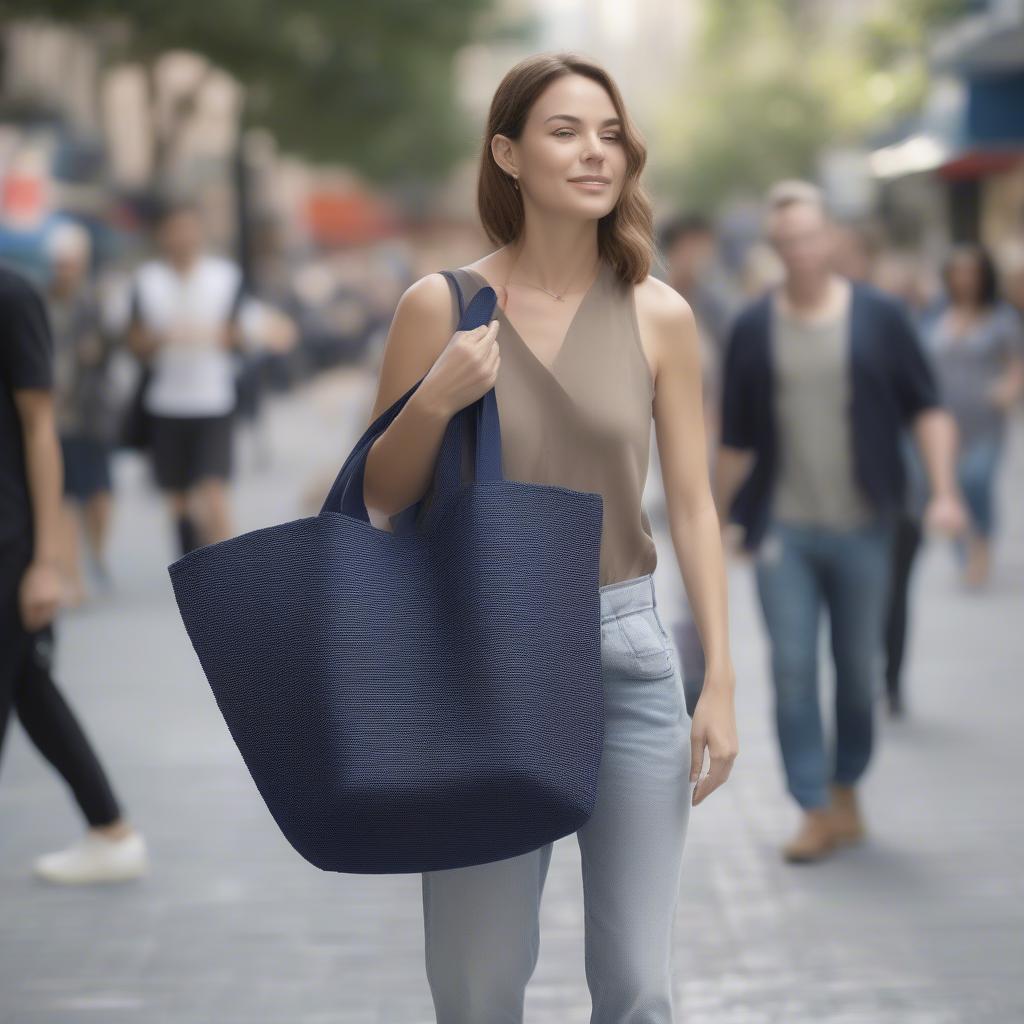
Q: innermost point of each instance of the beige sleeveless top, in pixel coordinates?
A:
(583, 422)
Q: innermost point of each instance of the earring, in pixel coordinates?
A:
(515, 182)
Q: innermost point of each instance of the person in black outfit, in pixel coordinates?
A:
(857, 257)
(31, 483)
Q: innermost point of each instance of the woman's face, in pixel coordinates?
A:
(964, 279)
(572, 131)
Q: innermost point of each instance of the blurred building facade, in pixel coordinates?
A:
(98, 140)
(956, 171)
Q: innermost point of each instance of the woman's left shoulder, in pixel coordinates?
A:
(663, 318)
(661, 310)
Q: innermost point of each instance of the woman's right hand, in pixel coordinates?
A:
(466, 369)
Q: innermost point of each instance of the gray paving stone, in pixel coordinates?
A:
(921, 925)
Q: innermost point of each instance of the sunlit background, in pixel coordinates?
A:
(332, 149)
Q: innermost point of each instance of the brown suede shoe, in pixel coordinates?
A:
(815, 838)
(847, 821)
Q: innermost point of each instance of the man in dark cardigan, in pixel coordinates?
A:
(822, 377)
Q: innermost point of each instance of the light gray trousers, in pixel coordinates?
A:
(481, 923)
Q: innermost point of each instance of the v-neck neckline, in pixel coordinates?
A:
(551, 367)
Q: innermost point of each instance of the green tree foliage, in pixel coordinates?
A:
(776, 81)
(367, 84)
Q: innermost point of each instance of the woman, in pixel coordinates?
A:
(594, 349)
(976, 344)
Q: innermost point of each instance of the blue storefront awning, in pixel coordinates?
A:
(967, 123)
(995, 109)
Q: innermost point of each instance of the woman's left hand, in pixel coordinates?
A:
(713, 728)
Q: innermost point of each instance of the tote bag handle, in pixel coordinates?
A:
(346, 494)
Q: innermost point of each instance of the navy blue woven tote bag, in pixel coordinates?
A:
(422, 699)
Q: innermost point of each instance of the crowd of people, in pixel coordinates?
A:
(187, 317)
(851, 409)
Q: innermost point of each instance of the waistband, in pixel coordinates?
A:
(628, 596)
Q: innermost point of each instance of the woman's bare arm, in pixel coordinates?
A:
(693, 523)
(400, 464)
(693, 519)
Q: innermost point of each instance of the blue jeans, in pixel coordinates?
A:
(802, 570)
(481, 929)
(976, 472)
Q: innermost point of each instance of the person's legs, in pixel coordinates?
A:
(111, 850)
(632, 845)
(69, 556)
(173, 453)
(482, 937)
(976, 473)
(212, 494)
(27, 685)
(212, 473)
(789, 587)
(96, 508)
(906, 542)
(98, 513)
(481, 923)
(75, 459)
(58, 735)
(14, 647)
(856, 586)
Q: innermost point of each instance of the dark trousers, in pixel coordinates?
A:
(27, 686)
(906, 542)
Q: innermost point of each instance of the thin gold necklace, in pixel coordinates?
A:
(557, 296)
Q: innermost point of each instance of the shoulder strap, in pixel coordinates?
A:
(453, 284)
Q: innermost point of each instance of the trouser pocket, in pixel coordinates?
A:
(645, 644)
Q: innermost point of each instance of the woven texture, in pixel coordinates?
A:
(418, 700)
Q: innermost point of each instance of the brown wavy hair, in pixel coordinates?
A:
(625, 236)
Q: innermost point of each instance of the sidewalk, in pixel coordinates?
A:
(922, 925)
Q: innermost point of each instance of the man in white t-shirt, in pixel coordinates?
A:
(189, 315)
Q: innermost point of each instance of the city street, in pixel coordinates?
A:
(920, 925)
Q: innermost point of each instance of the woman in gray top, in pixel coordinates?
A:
(977, 345)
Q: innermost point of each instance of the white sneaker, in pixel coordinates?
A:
(95, 858)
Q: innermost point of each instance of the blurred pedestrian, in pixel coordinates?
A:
(187, 318)
(87, 414)
(31, 477)
(690, 247)
(977, 345)
(821, 376)
(760, 271)
(902, 275)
